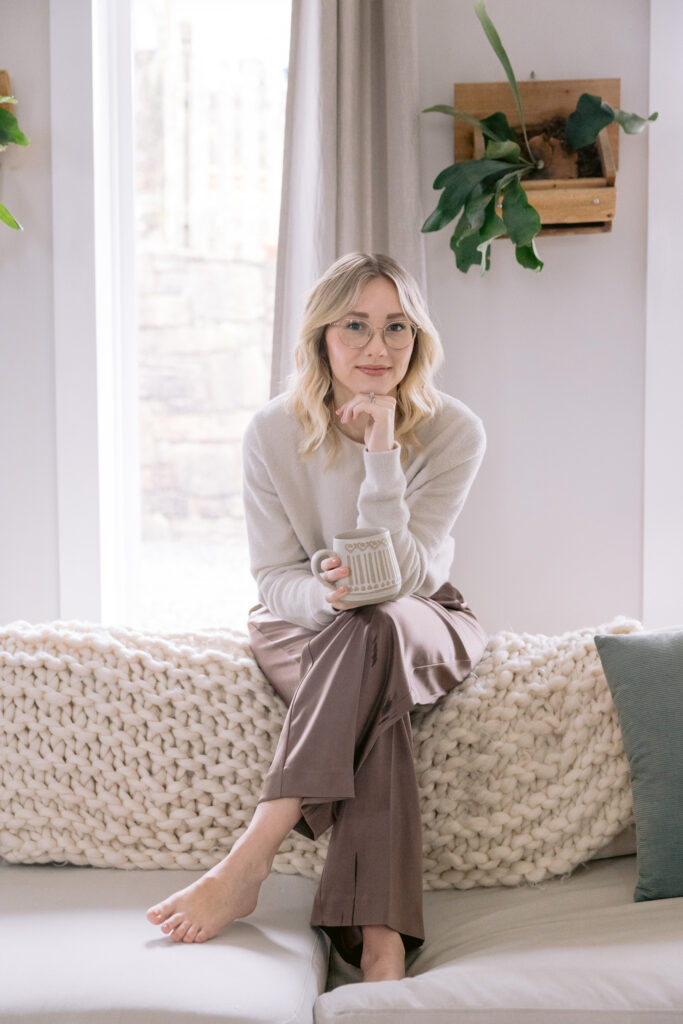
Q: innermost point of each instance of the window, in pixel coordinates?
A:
(210, 79)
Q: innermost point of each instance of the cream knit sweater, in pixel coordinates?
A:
(294, 507)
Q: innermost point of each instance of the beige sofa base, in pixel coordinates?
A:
(568, 951)
(76, 947)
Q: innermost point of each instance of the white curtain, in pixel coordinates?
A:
(350, 176)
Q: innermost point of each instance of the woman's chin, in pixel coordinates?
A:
(380, 385)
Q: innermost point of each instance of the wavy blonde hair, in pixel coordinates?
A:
(310, 393)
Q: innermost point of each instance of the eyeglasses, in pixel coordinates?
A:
(356, 333)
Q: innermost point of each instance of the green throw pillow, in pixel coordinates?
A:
(644, 672)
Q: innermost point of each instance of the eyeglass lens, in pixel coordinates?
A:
(357, 333)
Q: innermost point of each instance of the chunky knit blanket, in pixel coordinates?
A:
(124, 749)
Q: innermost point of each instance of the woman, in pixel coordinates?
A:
(362, 438)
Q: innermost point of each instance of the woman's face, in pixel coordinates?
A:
(376, 367)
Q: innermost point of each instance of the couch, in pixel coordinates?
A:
(532, 940)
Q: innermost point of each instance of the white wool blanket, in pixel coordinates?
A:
(125, 749)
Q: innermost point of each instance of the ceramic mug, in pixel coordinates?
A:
(368, 552)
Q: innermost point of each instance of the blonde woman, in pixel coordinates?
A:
(361, 438)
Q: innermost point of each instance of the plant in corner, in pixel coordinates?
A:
(473, 188)
(10, 132)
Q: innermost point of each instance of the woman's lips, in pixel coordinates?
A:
(374, 371)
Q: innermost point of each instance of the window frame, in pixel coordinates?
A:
(95, 341)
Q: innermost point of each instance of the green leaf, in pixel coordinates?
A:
(466, 252)
(632, 123)
(7, 99)
(7, 218)
(584, 125)
(485, 250)
(498, 124)
(508, 151)
(499, 49)
(473, 213)
(503, 182)
(492, 228)
(474, 170)
(444, 108)
(446, 209)
(592, 114)
(528, 257)
(522, 221)
(458, 182)
(472, 247)
(10, 130)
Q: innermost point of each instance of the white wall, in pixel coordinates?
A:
(29, 571)
(551, 537)
(663, 551)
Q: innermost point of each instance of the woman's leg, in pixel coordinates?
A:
(373, 870)
(346, 748)
(378, 949)
(230, 889)
(423, 649)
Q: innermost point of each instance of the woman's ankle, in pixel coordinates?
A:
(271, 823)
(381, 940)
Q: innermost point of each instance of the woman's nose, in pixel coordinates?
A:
(376, 343)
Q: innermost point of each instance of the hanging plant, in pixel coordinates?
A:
(10, 132)
(473, 189)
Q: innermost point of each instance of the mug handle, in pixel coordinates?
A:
(316, 560)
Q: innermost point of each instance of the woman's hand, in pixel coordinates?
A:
(381, 413)
(333, 570)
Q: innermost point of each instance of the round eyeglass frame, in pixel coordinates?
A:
(414, 329)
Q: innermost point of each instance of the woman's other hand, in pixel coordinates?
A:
(333, 570)
(380, 411)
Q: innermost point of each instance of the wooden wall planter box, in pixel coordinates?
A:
(565, 205)
(5, 90)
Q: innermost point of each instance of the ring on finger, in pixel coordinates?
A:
(371, 396)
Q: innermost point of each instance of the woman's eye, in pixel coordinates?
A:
(397, 328)
(354, 325)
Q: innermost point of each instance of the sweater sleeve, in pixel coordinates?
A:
(278, 562)
(421, 516)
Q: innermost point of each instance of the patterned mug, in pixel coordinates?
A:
(368, 552)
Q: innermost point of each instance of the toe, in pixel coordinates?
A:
(172, 923)
(201, 936)
(179, 933)
(159, 912)
(191, 933)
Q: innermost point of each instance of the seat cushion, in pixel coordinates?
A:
(76, 946)
(575, 951)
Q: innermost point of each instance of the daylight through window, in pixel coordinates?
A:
(210, 92)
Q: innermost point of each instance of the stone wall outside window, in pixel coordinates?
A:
(210, 93)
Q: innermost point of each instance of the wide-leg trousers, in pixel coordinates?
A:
(346, 747)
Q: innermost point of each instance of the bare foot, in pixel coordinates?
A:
(228, 891)
(383, 957)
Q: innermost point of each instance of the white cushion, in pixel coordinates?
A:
(575, 951)
(77, 947)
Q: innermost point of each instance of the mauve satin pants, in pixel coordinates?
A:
(346, 747)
